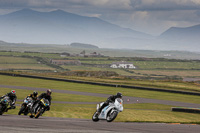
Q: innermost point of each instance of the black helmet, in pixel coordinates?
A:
(119, 95)
(48, 92)
(35, 93)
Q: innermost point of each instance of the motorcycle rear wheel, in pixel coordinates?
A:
(95, 117)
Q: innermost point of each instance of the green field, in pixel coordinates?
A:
(163, 84)
(167, 65)
(87, 68)
(154, 70)
(140, 112)
(181, 73)
(22, 63)
(45, 48)
(146, 68)
(28, 82)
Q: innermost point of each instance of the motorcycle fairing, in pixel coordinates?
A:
(105, 111)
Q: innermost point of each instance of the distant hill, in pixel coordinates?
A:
(188, 34)
(60, 27)
(2, 42)
(81, 45)
(177, 38)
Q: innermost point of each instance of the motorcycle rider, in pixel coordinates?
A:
(33, 95)
(47, 96)
(13, 98)
(109, 100)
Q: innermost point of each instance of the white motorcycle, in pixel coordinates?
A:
(110, 112)
(26, 106)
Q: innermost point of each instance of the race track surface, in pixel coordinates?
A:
(24, 124)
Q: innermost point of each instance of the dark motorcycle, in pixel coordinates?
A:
(26, 106)
(4, 104)
(41, 107)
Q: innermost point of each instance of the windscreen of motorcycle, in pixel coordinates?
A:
(119, 100)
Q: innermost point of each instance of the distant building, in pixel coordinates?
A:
(167, 55)
(66, 62)
(94, 54)
(122, 64)
(64, 54)
(83, 52)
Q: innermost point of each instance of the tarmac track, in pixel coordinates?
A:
(24, 124)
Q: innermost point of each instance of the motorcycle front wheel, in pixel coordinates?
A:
(1, 111)
(111, 116)
(21, 110)
(95, 117)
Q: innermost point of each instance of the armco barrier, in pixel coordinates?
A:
(184, 109)
(102, 84)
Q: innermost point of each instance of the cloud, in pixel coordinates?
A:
(165, 4)
(153, 22)
(106, 5)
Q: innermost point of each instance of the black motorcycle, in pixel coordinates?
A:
(41, 107)
(4, 104)
(26, 106)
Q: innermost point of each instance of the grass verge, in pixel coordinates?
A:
(60, 85)
(138, 114)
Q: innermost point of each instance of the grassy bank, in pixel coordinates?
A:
(60, 85)
(140, 112)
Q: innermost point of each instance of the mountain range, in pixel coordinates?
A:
(187, 34)
(60, 27)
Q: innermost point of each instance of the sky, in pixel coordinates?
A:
(148, 16)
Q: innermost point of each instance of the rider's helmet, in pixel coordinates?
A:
(119, 95)
(13, 92)
(35, 93)
(49, 92)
